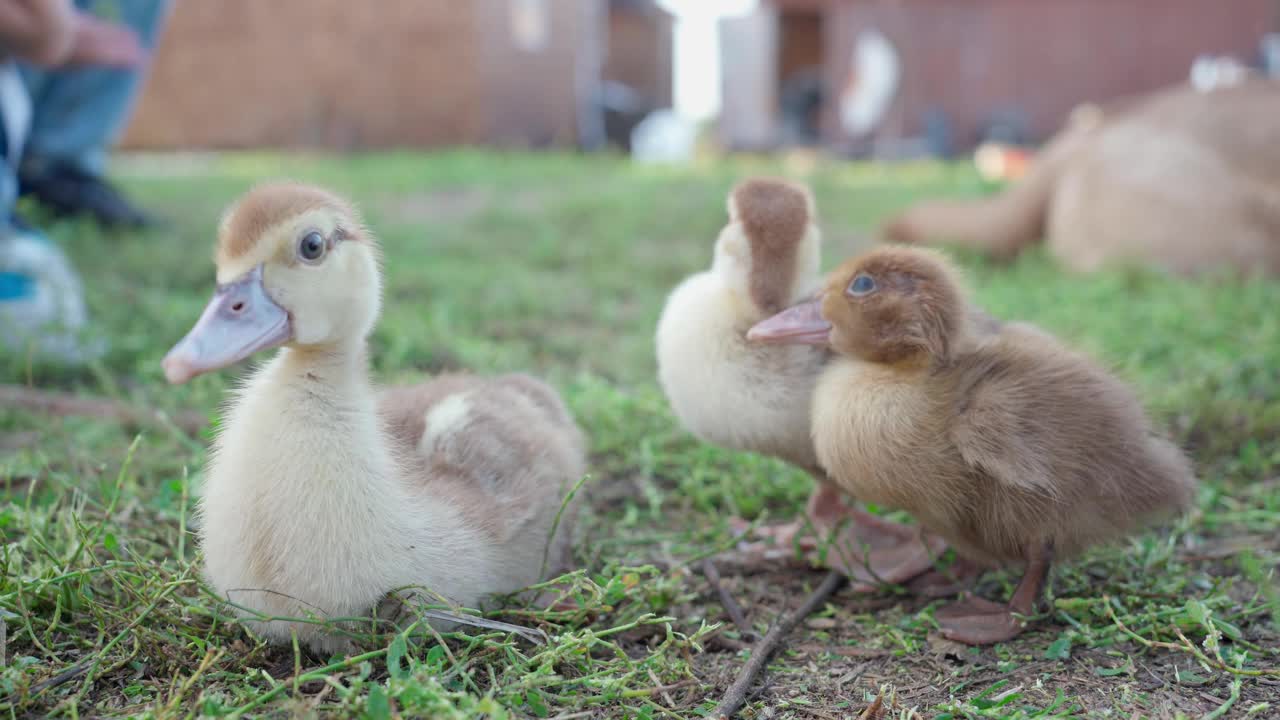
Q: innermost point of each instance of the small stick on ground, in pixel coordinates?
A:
(63, 404)
(730, 605)
(61, 678)
(736, 696)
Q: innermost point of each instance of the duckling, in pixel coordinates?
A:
(751, 397)
(322, 495)
(994, 435)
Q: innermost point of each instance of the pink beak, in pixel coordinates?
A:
(801, 324)
(240, 320)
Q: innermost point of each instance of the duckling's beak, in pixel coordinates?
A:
(801, 324)
(240, 320)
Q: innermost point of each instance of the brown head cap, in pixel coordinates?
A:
(268, 205)
(895, 304)
(774, 215)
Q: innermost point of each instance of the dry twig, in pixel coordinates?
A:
(737, 693)
(730, 605)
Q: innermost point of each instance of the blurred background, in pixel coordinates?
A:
(883, 78)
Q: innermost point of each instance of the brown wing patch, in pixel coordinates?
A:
(403, 408)
(506, 463)
(774, 215)
(266, 206)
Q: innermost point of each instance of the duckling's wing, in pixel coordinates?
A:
(1002, 423)
(408, 410)
(505, 449)
(1066, 446)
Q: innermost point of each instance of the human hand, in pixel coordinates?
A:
(38, 31)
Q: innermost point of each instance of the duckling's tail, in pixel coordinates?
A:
(1175, 478)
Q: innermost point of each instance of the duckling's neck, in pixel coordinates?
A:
(912, 368)
(305, 435)
(342, 368)
(742, 305)
(325, 391)
(304, 495)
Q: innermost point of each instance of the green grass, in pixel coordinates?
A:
(559, 264)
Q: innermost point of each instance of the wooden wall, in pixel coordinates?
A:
(338, 74)
(970, 58)
(973, 58)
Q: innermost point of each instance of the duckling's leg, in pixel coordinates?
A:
(870, 549)
(827, 509)
(873, 555)
(951, 581)
(975, 621)
(823, 511)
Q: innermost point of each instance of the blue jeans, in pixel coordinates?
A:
(78, 113)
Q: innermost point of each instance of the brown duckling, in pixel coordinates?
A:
(994, 435)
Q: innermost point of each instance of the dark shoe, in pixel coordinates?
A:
(69, 193)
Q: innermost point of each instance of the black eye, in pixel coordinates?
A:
(861, 285)
(311, 247)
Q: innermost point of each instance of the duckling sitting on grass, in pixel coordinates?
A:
(997, 437)
(322, 495)
(749, 396)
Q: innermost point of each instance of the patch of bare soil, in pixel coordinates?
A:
(834, 666)
(837, 663)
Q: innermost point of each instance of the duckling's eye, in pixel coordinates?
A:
(312, 246)
(862, 285)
